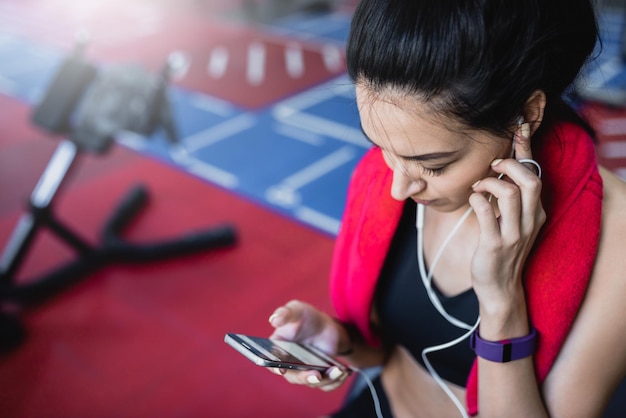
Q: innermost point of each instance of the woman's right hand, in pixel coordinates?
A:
(303, 323)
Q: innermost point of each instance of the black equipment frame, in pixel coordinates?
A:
(56, 113)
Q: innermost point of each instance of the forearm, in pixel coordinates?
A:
(507, 389)
(353, 348)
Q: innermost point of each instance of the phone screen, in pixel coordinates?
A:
(284, 354)
(286, 351)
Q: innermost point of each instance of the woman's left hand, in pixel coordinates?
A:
(509, 228)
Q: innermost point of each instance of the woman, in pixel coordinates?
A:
(507, 300)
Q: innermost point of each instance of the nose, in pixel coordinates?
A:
(403, 186)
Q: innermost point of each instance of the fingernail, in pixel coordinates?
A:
(476, 184)
(313, 379)
(496, 162)
(526, 130)
(272, 317)
(335, 373)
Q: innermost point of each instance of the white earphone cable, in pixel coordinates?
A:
(370, 385)
(436, 376)
(427, 276)
(427, 280)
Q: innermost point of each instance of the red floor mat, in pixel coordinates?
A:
(134, 341)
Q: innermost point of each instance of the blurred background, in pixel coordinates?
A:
(173, 170)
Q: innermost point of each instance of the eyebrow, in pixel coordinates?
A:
(423, 157)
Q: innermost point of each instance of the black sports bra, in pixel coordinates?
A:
(407, 316)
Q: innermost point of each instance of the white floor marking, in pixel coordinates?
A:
(333, 58)
(318, 219)
(213, 174)
(256, 63)
(211, 104)
(294, 60)
(218, 62)
(219, 132)
(299, 134)
(320, 167)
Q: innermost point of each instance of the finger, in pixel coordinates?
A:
(310, 378)
(279, 317)
(277, 370)
(521, 201)
(287, 322)
(517, 173)
(335, 373)
(290, 312)
(486, 216)
(523, 150)
(509, 203)
(502, 226)
(333, 384)
(334, 378)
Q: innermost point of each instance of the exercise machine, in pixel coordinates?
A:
(88, 107)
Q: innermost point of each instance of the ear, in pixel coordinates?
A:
(533, 110)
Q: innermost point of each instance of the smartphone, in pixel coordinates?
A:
(282, 354)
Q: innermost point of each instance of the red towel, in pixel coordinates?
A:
(558, 268)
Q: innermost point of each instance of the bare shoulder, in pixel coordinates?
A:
(614, 193)
(595, 350)
(613, 232)
(608, 281)
(609, 274)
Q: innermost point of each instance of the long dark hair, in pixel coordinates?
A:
(475, 60)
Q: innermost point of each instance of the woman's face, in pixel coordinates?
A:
(434, 160)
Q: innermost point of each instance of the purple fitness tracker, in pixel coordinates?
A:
(505, 350)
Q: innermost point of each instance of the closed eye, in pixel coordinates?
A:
(433, 171)
(420, 159)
